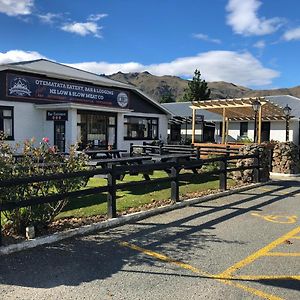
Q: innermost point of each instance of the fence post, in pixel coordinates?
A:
(144, 150)
(256, 169)
(174, 184)
(111, 195)
(223, 174)
(131, 150)
(160, 149)
(198, 154)
(227, 151)
(0, 230)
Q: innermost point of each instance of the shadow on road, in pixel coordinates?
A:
(98, 256)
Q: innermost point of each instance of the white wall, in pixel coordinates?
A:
(28, 121)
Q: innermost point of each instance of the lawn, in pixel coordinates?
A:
(137, 196)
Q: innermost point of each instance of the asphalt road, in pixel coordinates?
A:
(243, 246)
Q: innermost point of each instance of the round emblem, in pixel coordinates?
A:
(122, 99)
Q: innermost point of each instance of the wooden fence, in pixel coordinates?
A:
(226, 164)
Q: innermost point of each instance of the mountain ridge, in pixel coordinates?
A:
(157, 86)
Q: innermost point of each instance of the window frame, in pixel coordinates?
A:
(11, 108)
(151, 128)
(241, 128)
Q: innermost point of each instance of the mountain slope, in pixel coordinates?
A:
(157, 86)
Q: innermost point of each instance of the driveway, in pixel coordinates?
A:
(242, 246)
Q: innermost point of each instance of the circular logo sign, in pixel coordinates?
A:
(122, 99)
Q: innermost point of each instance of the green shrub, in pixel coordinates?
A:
(40, 160)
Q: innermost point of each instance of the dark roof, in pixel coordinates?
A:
(291, 101)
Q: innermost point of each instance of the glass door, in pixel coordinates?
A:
(59, 135)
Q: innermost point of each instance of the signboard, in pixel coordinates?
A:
(57, 115)
(29, 87)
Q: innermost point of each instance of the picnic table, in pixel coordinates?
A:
(113, 153)
(174, 158)
(104, 163)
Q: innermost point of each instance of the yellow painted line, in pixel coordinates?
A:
(185, 266)
(296, 237)
(262, 252)
(282, 254)
(266, 277)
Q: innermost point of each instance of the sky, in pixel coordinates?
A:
(253, 43)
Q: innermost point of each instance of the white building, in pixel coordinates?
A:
(46, 99)
(212, 129)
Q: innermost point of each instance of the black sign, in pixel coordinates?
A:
(28, 87)
(57, 115)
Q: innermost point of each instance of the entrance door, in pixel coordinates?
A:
(59, 135)
(265, 131)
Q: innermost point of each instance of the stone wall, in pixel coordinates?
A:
(247, 176)
(285, 158)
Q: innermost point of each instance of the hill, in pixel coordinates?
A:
(157, 86)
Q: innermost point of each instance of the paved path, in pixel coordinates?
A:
(243, 246)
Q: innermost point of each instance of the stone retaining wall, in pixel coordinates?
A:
(247, 176)
(286, 158)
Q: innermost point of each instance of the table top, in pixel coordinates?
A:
(104, 151)
(100, 161)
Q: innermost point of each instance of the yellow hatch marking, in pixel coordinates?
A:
(262, 252)
(185, 266)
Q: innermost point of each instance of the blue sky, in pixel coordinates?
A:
(253, 43)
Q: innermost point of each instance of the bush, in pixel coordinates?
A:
(41, 160)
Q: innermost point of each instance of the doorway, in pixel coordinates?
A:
(59, 135)
(265, 131)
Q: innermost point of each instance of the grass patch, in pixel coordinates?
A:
(137, 196)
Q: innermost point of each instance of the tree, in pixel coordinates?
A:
(166, 95)
(197, 89)
(167, 98)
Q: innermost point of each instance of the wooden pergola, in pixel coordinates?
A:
(240, 109)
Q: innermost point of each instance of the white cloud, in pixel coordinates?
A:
(204, 37)
(239, 68)
(16, 7)
(260, 44)
(244, 20)
(292, 34)
(18, 55)
(83, 29)
(49, 18)
(97, 17)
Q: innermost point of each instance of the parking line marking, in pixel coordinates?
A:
(281, 219)
(266, 277)
(282, 254)
(262, 252)
(185, 266)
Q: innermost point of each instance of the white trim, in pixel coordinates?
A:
(81, 106)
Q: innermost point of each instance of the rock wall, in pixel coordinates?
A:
(286, 158)
(247, 176)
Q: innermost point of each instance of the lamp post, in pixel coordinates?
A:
(287, 112)
(256, 106)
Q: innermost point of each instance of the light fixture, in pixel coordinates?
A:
(256, 105)
(287, 111)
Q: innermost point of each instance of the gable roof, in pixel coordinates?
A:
(65, 72)
(183, 109)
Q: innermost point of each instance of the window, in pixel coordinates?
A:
(6, 121)
(244, 129)
(140, 128)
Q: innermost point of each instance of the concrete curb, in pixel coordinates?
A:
(280, 175)
(58, 236)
